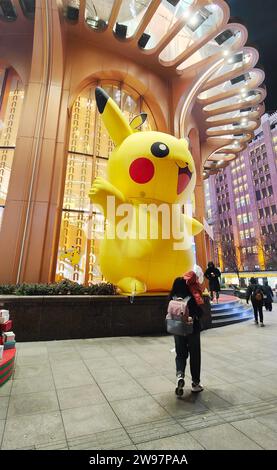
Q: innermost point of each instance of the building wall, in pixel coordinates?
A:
(244, 202)
(30, 232)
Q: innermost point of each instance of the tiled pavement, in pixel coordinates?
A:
(118, 393)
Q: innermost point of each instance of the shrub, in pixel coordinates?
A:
(64, 287)
(7, 289)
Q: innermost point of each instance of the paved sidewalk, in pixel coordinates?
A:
(118, 393)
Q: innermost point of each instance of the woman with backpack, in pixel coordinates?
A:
(188, 287)
(255, 292)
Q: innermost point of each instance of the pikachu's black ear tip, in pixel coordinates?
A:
(101, 99)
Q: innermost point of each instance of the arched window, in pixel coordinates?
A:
(11, 101)
(89, 150)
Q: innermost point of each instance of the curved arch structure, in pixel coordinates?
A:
(187, 40)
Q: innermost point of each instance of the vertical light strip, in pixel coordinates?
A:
(39, 126)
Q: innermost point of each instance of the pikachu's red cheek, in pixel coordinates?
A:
(141, 170)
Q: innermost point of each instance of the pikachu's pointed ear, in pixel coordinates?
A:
(138, 121)
(114, 120)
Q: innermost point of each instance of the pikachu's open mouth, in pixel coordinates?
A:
(184, 177)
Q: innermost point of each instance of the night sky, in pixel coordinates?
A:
(260, 18)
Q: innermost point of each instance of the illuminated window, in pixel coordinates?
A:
(12, 94)
(88, 152)
(244, 218)
(252, 233)
(241, 234)
(242, 201)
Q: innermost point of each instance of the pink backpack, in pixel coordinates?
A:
(178, 320)
(178, 308)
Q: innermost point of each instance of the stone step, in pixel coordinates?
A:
(231, 312)
(225, 306)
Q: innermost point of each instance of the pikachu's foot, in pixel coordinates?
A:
(129, 285)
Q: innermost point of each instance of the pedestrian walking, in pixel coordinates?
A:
(255, 292)
(269, 296)
(213, 274)
(188, 346)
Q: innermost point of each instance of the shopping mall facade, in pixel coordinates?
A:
(185, 63)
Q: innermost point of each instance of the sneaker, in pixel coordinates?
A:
(179, 390)
(197, 387)
(256, 321)
(262, 324)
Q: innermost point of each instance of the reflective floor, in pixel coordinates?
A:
(118, 393)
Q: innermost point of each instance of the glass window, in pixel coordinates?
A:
(270, 190)
(273, 209)
(261, 213)
(258, 195)
(241, 234)
(252, 233)
(267, 211)
(130, 15)
(11, 102)
(264, 193)
(97, 14)
(163, 20)
(242, 201)
(199, 25)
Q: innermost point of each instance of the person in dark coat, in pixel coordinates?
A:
(255, 292)
(213, 274)
(186, 346)
(268, 296)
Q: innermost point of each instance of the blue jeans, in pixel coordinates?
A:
(186, 346)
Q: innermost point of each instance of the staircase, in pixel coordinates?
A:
(229, 311)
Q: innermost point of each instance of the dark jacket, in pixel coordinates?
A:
(180, 289)
(269, 293)
(252, 290)
(213, 280)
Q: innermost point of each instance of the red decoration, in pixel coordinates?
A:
(7, 326)
(142, 170)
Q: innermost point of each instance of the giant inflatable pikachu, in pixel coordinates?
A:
(145, 169)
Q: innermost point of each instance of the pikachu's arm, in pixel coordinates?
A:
(99, 192)
(194, 227)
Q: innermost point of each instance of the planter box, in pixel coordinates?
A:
(44, 318)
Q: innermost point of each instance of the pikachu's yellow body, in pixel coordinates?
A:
(147, 171)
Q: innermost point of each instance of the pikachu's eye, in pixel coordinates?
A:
(159, 149)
